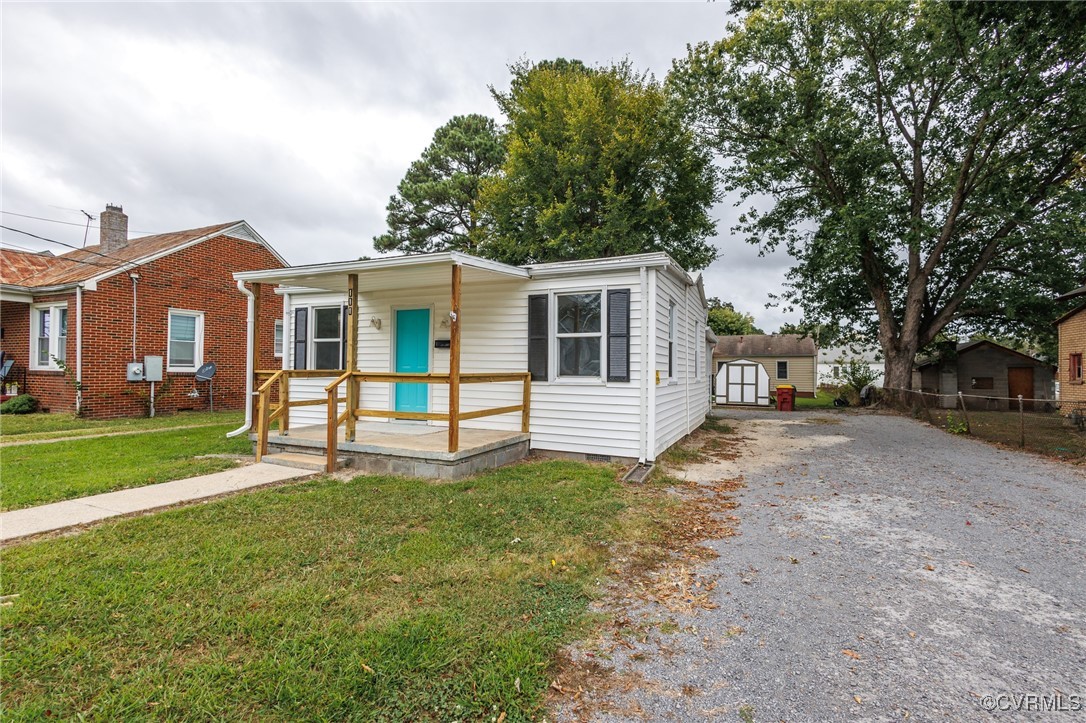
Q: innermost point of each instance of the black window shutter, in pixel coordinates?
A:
(343, 321)
(618, 335)
(537, 337)
(301, 327)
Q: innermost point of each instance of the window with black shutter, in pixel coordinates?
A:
(301, 328)
(618, 335)
(537, 337)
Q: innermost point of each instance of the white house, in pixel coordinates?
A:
(831, 360)
(614, 354)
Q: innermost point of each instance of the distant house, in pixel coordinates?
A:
(1071, 328)
(832, 360)
(72, 323)
(784, 358)
(987, 374)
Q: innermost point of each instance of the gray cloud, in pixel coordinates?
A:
(299, 118)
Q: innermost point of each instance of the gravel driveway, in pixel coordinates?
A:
(884, 570)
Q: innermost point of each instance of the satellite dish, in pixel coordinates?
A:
(204, 373)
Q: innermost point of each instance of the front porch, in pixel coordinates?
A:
(402, 448)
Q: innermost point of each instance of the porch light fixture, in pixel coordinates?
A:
(375, 323)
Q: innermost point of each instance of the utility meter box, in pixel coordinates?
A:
(152, 368)
(135, 371)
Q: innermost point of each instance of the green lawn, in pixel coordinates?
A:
(821, 400)
(20, 427)
(379, 599)
(34, 474)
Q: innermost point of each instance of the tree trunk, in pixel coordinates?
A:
(898, 368)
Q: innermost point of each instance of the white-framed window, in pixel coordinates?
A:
(48, 335)
(278, 349)
(578, 332)
(671, 340)
(327, 337)
(185, 340)
(782, 370)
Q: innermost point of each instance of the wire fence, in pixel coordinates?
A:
(1048, 426)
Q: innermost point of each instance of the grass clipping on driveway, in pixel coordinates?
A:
(36, 474)
(381, 598)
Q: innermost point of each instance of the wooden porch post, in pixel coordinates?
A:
(454, 363)
(352, 353)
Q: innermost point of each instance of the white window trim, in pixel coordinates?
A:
(552, 328)
(198, 352)
(281, 327)
(54, 335)
(311, 361)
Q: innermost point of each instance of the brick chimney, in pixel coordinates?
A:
(113, 229)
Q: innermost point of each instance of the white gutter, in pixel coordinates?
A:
(650, 450)
(78, 348)
(249, 328)
(644, 431)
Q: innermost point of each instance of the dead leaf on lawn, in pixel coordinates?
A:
(395, 578)
(366, 668)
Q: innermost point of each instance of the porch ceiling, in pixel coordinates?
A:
(389, 273)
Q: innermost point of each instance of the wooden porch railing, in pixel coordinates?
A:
(269, 413)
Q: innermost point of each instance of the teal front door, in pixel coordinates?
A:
(412, 357)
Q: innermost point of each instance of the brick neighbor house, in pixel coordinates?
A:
(1071, 328)
(72, 323)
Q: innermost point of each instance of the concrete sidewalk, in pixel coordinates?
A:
(71, 513)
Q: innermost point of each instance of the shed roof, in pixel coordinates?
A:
(749, 345)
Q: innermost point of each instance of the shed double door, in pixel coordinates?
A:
(742, 385)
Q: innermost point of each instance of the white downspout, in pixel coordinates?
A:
(650, 450)
(78, 348)
(644, 431)
(249, 327)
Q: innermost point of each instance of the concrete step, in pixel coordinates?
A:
(297, 460)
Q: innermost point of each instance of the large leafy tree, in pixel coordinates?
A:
(599, 164)
(435, 205)
(725, 320)
(923, 161)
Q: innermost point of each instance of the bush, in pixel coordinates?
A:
(22, 404)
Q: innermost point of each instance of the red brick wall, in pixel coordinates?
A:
(1072, 341)
(197, 279)
(53, 391)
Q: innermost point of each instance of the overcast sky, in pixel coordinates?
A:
(301, 119)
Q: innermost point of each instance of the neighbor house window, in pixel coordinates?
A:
(836, 372)
(185, 352)
(671, 340)
(579, 333)
(782, 370)
(49, 335)
(278, 350)
(1074, 368)
(327, 337)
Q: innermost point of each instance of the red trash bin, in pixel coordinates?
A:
(786, 398)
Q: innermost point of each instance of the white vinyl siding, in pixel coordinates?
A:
(682, 399)
(578, 415)
(185, 340)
